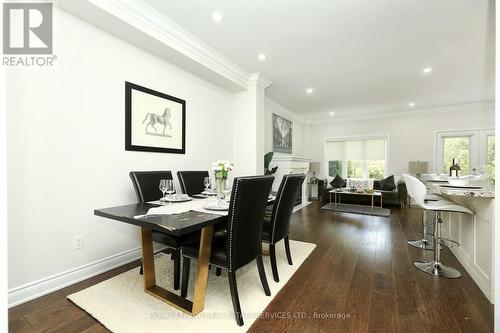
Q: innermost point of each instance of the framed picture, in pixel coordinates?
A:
(282, 134)
(154, 121)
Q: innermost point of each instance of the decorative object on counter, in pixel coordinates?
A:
(154, 121)
(282, 134)
(418, 167)
(267, 160)
(455, 168)
(221, 170)
(314, 167)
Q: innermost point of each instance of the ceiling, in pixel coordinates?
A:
(359, 56)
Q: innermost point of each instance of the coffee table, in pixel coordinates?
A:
(337, 194)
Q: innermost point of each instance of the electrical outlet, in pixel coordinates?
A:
(78, 242)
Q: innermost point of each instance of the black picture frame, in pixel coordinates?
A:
(129, 87)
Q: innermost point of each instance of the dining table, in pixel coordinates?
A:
(197, 220)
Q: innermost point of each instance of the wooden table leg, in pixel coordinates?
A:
(200, 287)
(180, 303)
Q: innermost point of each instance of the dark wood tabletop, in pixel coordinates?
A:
(176, 225)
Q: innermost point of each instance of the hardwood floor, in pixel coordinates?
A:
(361, 274)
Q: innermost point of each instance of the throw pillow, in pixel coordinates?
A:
(338, 182)
(387, 184)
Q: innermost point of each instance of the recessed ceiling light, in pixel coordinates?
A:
(332, 113)
(261, 56)
(427, 70)
(217, 16)
(411, 104)
(309, 90)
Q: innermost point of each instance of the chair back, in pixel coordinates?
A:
(146, 184)
(246, 213)
(416, 189)
(287, 195)
(192, 181)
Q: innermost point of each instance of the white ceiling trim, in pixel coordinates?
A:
(143, 17)
(469, 107)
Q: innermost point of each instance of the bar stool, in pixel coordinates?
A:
(423, 243)
(435, 267)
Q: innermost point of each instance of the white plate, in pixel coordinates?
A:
(466, 187)
(170, 199)
(216, 207)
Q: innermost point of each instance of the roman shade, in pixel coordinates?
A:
(366, 149)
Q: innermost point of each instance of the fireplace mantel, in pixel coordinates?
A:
(291, 164)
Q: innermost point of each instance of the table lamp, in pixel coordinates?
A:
(418, 167)
(314, 167)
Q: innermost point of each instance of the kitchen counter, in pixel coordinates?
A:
(474, 233)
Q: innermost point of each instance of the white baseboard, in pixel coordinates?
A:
(298, 207)
(35, 289)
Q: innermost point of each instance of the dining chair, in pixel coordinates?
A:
(241, 243)
(146, 186)
(192, 182)
(277, 226)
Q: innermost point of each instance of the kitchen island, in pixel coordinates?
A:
(475, 234)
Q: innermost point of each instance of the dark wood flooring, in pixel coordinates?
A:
(360, 278)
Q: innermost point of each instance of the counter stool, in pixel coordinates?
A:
(424, 243)
(419, 192)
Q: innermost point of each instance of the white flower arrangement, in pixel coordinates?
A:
(222, 168)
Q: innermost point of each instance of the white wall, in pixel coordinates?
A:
(298, 126)
(411, 137)
(66, 152)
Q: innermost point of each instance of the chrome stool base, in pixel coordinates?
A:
(437, 269)
(423, 244)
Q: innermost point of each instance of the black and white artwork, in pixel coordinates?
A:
(154, 121)
(282, 134)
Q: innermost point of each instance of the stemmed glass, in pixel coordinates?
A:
(206, 182)
(170, 188)
(163, 186)
(227, 190)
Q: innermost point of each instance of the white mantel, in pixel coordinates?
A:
(287, 165)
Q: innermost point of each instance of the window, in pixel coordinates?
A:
(357, 158)
(456, 147)
(490, 157)
(335, 168)
(475, 151)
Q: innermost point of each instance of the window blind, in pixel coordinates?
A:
(368, 149)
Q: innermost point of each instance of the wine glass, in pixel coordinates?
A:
(206, 182)
(227, 189)
(170, 187)
(163, 186)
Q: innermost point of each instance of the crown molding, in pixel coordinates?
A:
(466, 107)
(260, 79)
(190, 53)
(283, 111)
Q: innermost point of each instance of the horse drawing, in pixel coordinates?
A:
(155, 118)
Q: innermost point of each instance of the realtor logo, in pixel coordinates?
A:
(27, 28)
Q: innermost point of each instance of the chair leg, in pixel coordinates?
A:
(262, 275)
(141, 270)
(272, 254)
(177, 268)
(287, 249)
(234, 296)
(218, 271)
(186, 262)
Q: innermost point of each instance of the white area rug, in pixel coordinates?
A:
(121, 304)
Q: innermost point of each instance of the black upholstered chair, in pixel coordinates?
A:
(146, 186)
(192, 181)
(276, 226)
(241, 244)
